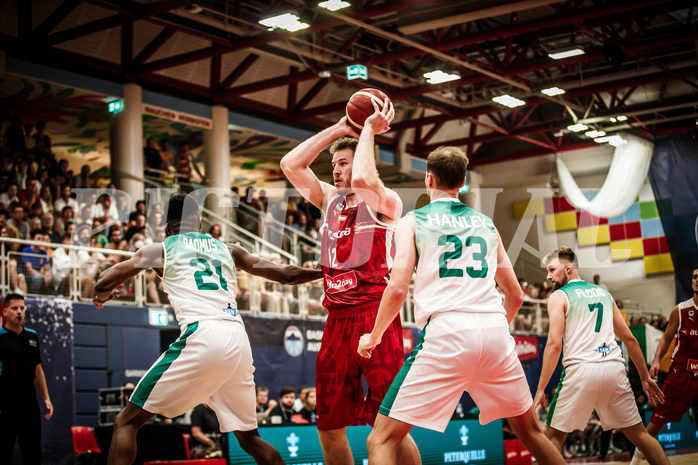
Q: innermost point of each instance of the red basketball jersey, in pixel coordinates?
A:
(685, 354)
(357, 254)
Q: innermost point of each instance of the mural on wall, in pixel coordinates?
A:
(78, 123)
(636, 234)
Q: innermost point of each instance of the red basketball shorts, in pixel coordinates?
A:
(680, 388)
(340, 394)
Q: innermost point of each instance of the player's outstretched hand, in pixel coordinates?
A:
(348, 128)
(540, 399)
(653, 391)
(103, 297)
(366, 346)
(380, 120)
(654, 370)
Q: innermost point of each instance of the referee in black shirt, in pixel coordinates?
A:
(20, 372)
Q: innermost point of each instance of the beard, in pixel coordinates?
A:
(557, 285)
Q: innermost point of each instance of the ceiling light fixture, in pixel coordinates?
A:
(289, 21)
(552, 91)
(622, 118)
(593, 134)
(614, 140)
(334, 5)
(439, 77)
(578, 127)
(570, 52)
(509, 101)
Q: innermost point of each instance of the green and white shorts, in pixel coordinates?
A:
(459, 351)
(583, 387)
(211, 362)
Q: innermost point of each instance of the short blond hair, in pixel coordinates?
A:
(448, 165)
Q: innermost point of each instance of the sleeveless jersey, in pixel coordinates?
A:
(589, 335)
(199, 278)
(357, 255)
(687, 338)
(457, 261)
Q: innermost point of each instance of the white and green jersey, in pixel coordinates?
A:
(199, 278)
(589, 335)
(456, 261)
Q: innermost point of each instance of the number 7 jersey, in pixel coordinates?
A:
(457, 261)
(199, 278)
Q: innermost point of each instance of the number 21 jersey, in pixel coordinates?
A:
(457, 261)
(199, 278)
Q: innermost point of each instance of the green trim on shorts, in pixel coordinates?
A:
(551, 407)
(145, 387)
(402, 374)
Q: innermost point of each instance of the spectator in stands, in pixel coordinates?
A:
(597, 281)
(139, 224)
(64, 218)
(82, 237)
(7, 174)
(205, 433)
(309, 406)
(65, 200)
(82, 180)
(35, 266)
(122, 207)
(85, 217)
(166, 155)
(283, 413)
(17, 220)
(156, 222)
(298, 404)
(140, 209)
(116, 241)
(105, 211)
(187, 165)
(47, 225)
(35, 212)
(264, 404)
(61, 267)
(151, 156)
(4, 215)
(90, 265)
(9, 196)
(42, 179)
(87, 199)
(29, 141)
(46, 199)
(29, 195)
(7, 230)
(34, 223)
(43, 140)
(216, 232)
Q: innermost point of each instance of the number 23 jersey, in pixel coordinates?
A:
(457, 261)
(199, 278)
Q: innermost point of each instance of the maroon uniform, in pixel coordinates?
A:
(357, 253)
(681, 385)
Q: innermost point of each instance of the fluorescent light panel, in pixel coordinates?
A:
(334, 5)
(289, 21)
(552, 91)
(438, 77)
(509, 101)
(615, 140)
(578, 127)
(593, 134)
(572, 52)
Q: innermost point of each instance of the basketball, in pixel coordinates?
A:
(359, 106)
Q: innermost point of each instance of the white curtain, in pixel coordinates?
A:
(626, 176)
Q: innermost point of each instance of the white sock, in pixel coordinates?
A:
(638, 457)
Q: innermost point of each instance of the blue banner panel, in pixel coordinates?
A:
(676, 436)
(53, 321)
(673, 177)
(464, 441)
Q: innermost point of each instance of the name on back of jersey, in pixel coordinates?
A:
(200, 244)
(591, 292)
(454, 221)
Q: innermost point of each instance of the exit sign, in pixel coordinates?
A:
(357, 72)
(115, 107)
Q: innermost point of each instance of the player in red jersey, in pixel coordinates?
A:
(681, 386)
(356, 257)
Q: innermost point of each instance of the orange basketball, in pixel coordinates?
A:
(359, 106)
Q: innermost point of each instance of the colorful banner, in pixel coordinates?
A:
(673, 179)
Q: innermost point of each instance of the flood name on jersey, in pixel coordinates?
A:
(593, 292)
(459, 221)
(200, 245)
